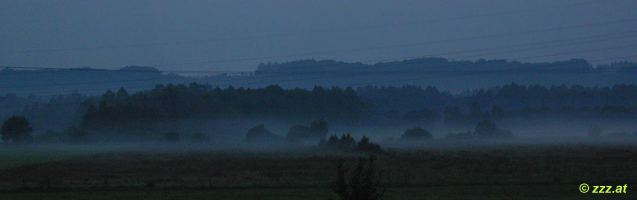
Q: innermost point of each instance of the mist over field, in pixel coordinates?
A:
(282, 99)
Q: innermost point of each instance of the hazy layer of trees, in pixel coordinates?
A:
(203, 101)
(73, 118)
(412, 103)
(430, 64)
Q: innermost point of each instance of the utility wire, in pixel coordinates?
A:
(558, 7)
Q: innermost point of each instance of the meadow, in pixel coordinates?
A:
(495, 172)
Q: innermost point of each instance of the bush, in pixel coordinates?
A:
(261, 134)
(415, 134)
(362, 183)
(16, 129)
(366, 146)
(347, 143)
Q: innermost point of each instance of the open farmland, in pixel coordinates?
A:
(503, 172)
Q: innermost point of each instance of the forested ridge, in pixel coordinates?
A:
(204, 101)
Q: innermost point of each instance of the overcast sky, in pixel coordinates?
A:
(239, 34)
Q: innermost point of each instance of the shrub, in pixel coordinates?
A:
(16, 129)
(347, 143)
(261, 134)
(366, 146)
(362, 183)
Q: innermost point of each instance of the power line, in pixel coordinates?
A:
(542, 44)
(345, 29)
(503, 34)
(254, 83)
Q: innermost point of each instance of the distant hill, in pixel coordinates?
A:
(445, 74)
(448, 75)
(44, 82)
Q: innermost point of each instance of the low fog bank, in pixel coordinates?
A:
(296, 135)
(367, 119)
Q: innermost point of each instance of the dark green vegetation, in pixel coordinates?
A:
(259, 134)
(362, 182)
(505, 172)
(145, 115)
(16, 130)
(121, 110)
(347, 143)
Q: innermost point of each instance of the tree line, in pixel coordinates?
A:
(205, 101)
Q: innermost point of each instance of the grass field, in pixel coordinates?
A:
(501, 172)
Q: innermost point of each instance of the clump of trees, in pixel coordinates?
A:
(317, 130)
(347, 143)
(123, 110)
(261, 134)
(16, 129)
(416, 134)
(361, 183)
(484, 129)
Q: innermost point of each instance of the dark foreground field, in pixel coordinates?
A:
(505, 172)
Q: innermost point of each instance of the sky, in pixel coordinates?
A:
(237, 35)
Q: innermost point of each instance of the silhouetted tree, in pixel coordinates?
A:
(347, 143)
(361, 183)
(16, 129)
(366, 146)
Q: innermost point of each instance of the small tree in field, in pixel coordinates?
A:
(362, 183)
(16, 129)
